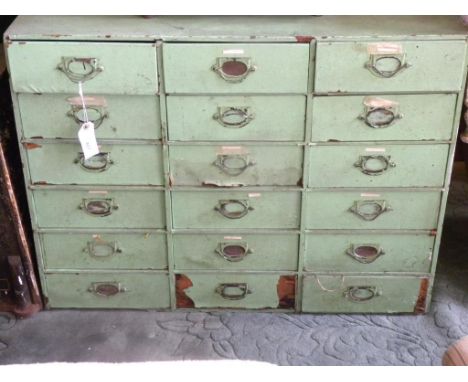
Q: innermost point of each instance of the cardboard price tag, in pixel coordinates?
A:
(87, 140)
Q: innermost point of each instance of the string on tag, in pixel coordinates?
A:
(83, 103)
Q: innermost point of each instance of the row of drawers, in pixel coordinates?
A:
(132, 68)
(243, 118)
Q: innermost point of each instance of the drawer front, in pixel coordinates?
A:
(236, 291)
(114, 117)
(108, 290)
(105, 68)
(57, 163)
(236, 252)
(386, 117)
(378, 166)
(235, 209)
(99, 209)
(235, 68)
(355, 294)
(369, 210)
(104, 250)
(227, 165)
(386, 67)
(364, 252)
(240, 118)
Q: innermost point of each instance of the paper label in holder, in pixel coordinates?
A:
(87, 140)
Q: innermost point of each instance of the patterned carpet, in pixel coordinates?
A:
(119, 336)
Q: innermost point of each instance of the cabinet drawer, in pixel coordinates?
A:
(108, 290)
(57, 163)
(389, 67)
(378, 166)
(236, 68)
(105, 68)
(373, 210)
(240, 118)
(236, 252)
(235, 209)
(365, 252)
(227, 165)
(356, 294)
(57, 208)
(103, 250)
(236, 291)
(114, 116)
(386, 117)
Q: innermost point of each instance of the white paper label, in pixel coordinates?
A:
(369, 195)
(375, 149)
(233, 51)
(255, 195)
(87, 139)
(232, 237)
(101, 192)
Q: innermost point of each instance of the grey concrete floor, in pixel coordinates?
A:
(285, 339)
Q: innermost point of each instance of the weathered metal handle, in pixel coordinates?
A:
(380, 117)
(98, 207)
(365, 253)
(102, 249)
(233, 252)
(399, 61)
(369, 209)
(236, 117)
(89, 68)
(361, 293)
(233, 69)
(241, 208)
(233, 164)
(241, 291)
(97, 163)
(106, 289)
(383, 160)
(98, 112)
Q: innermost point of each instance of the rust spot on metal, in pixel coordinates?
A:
(303, 39)
(37, 137)
(286, 289)
(22, 42)
(108, 36)
(433, 232)
(31, 146)
(182, 300)
(420, 306)
(300, 182)
(41, 183)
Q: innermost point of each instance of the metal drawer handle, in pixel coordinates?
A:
(96, 115)
(233, 208)
(234, 116)
(365, 253)
(233, 69)
(380, 117)
(386, 66)
(79, 69)
(98, 163)
(106, 289)
(361, 293)
(233, 252)
(369, 209)
(233, 291)
(98, 207)
(374, 164)
(102, 249)
(234, 164)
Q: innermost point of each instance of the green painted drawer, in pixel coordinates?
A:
(227, 165)
(236, 209)
(359, 294)
(365, 252)
(378, 166)
(236, 252)
(108, 290)
(372, 210)
(57, 208)
(350, 66)
(103, 250)
(236, 68)
(57, 163)
(105, 68)
(385, 117)
(239, 118)
(114, 116)
(235, 291)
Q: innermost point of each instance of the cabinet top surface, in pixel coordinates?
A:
(233, 28)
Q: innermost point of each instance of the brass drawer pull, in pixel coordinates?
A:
(233, 69)
(361, 293)
(234, 116)
(369, 209)
(386, 65)
(380, 117)
(233, 164)
(96, 114)
(233, 291)
(80, 69)
(106, 289)
(102, 249)
(233, 208)
(374, 164)
(98, 163)
(365, 253)
(98, 207)
(233, 252)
